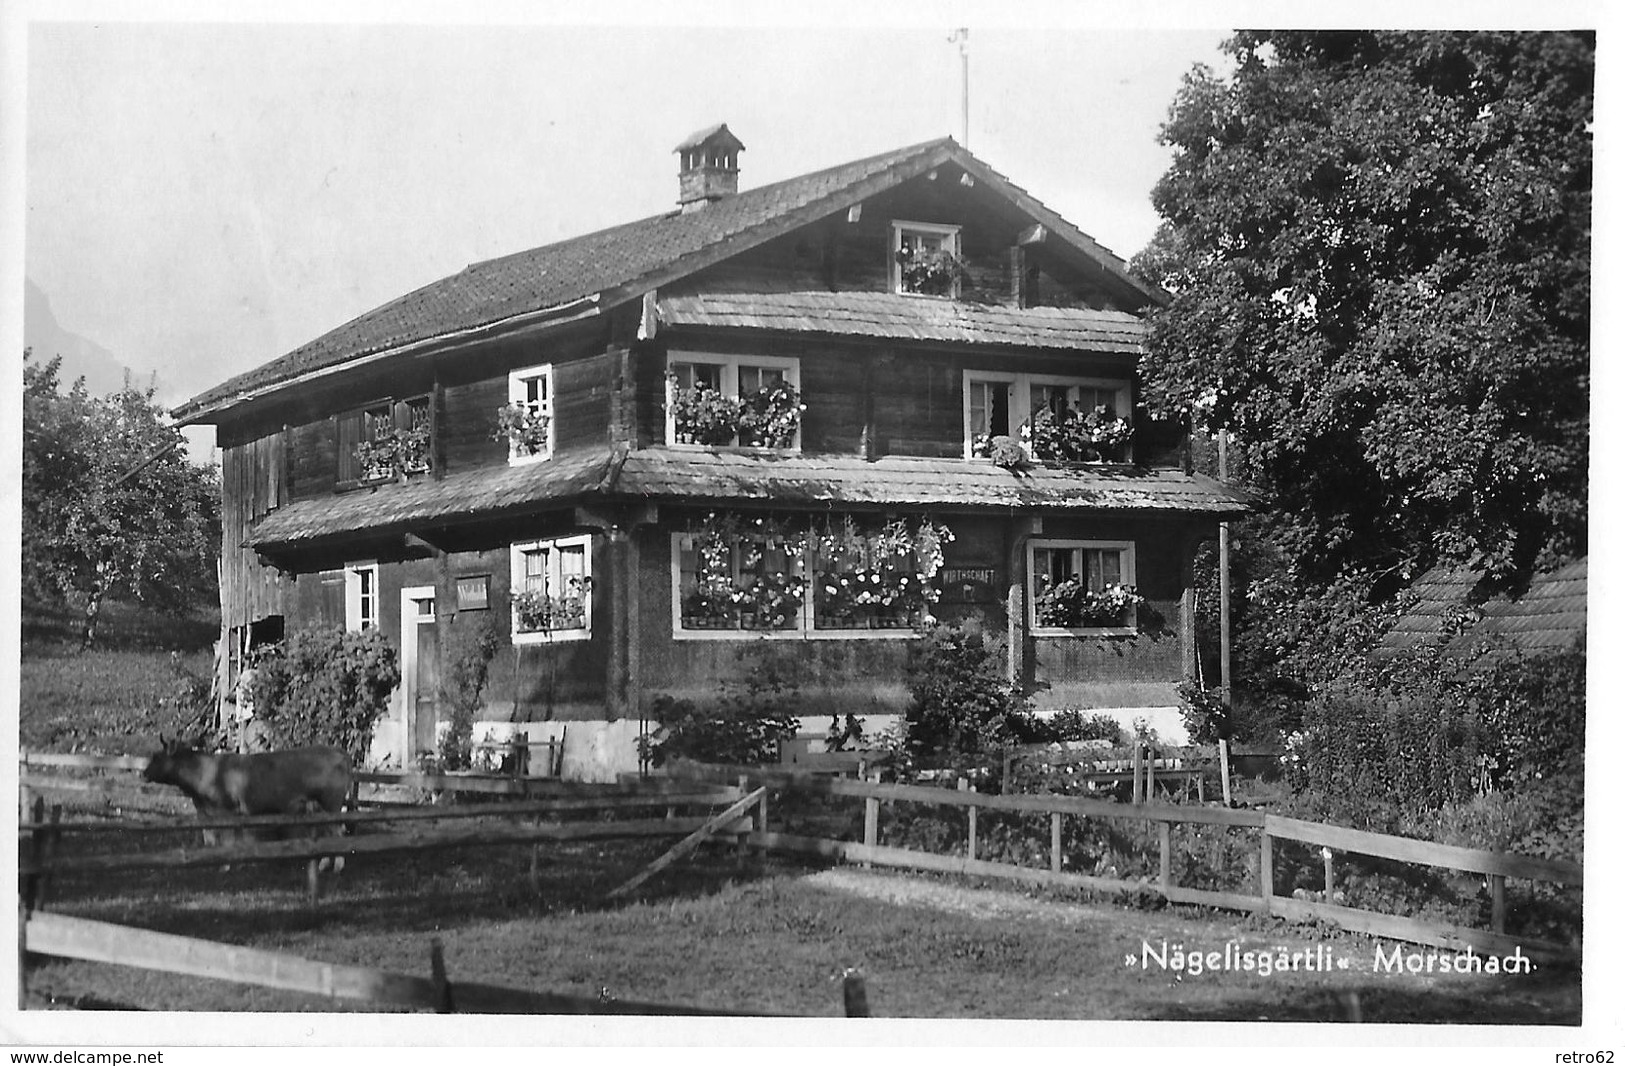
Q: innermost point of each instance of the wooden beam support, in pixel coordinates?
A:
(692, 841)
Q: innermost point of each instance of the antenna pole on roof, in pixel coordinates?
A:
(961, 37)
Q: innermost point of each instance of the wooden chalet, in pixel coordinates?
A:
(816, 414)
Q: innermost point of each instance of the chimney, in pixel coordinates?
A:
(709, 167)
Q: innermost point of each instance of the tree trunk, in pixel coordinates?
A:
(93, 610)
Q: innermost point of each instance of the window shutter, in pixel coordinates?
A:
(349, 435)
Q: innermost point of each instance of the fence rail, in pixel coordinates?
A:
(1495, 866)
(94, 941)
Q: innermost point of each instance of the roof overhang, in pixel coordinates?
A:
(531, 323)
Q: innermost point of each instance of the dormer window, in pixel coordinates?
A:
(926, 259)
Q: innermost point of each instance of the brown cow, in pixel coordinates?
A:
(273, 782)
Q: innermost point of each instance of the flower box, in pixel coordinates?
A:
(537, 612)
(1071, 436)
(1070, 604)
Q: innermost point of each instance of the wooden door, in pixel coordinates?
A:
(420, 670)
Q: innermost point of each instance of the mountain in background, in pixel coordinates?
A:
(103, 373)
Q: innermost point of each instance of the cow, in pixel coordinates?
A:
(295, 781)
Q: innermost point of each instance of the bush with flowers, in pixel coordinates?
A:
(877, 578)
(770, 417)
(536, 611)
(1071, 436)
(524, 426)
(703, 415)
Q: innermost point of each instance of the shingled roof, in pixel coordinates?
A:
(897, 317)
(601, 269)
(1457, 613)
(656, 474)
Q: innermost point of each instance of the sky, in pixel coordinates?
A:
(201, 198)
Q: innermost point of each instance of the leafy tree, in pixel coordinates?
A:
(111, 506)
(1378, 249)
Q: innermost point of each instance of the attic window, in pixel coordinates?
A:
(926, 259)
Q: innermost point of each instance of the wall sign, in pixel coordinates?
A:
(474, 593)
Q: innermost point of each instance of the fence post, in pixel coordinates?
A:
(36, 841)
(761, 817)
(1266, 868)
(1138, 791)
(1326, 859)
(22, 954)
(53, 836)
(855, 994)
(1165, 842)
(1055, 841)
(871, 822)
(437, 974)
(1498, 902)
(970, 823)
(743, 844)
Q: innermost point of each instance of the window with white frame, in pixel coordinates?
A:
(925, 259)
(1056, 419)
(360, 596)
(842, 578)
(751, 401)
(749, 582)
(550, 590)
(1081, 585)
(527, 420)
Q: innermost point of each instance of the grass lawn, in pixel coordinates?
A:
(767, 938)
(117, 697)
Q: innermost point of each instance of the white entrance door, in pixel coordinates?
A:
(420, 672)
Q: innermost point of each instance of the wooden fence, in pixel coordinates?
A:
(523, 821)
(1496, 867)
(82, 938)
(46, 933)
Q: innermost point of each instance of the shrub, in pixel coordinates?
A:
(323, 685)
(744, 725)
(1536, 710)
(1207, 719)
(962, 706)
(1373, 756)
(470, 649)
(1066, 726)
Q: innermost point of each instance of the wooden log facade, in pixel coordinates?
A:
(579, 544)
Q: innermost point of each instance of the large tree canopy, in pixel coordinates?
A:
(1378, 246)
(111, 506)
